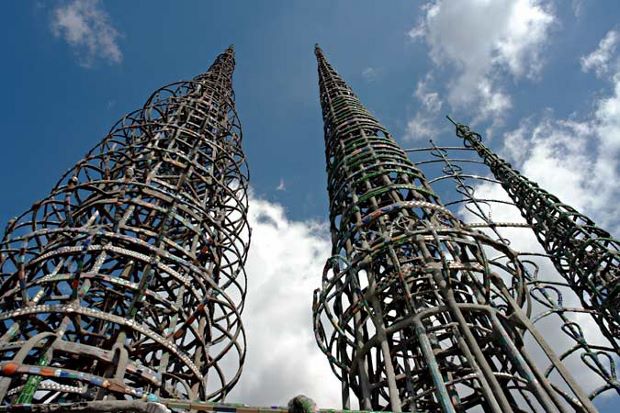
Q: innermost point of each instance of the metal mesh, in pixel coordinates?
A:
(127, 281)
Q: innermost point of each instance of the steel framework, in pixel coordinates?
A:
(587, 256)
(412, 314)
(479, 200)
(127, 281)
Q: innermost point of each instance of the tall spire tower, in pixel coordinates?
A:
(411, 313)
(587, 256)
(127, 281)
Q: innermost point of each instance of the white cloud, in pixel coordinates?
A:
(429, 98)
(578, 6)
(417, 32)
(602, 60)
(370, 74)
(423, 124)
(85, 26)
(421, 127)
(485, 41)
(285, 264)
(281, 186)
(575, 160)
(493, 102)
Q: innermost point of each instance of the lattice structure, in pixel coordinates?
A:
(127, 281)
(412, 314)
(586, 255)
(479, 200)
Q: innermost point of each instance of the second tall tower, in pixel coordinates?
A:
(412, 314)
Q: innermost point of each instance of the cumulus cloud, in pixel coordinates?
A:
(86, 27)
(285, 264)
(421, 127)
(483, 42)
(603, 59)
(577, 158)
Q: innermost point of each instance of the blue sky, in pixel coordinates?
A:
(539, 78)
(55, 108)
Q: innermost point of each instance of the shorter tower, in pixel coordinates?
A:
(556, 310)
(411, 313)
(126, 282)
(587, 256)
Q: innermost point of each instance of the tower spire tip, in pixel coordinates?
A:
(317, 50)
